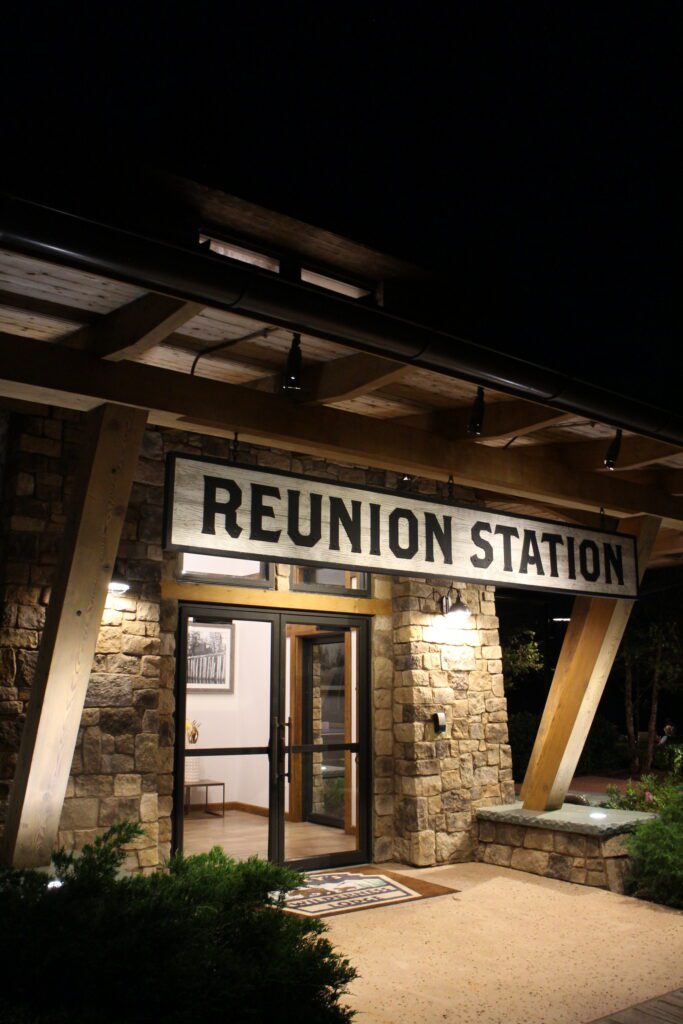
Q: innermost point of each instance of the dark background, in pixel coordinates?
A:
(524, 151)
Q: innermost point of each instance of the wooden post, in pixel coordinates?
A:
(588, 652)
(82, 575)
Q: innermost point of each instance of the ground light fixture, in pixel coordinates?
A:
(612, 453)
(455, 611)
(118, 583)
(475, 424)
(597, 815)
(291, 378)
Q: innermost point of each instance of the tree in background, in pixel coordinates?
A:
(521, 655)
(651, 658)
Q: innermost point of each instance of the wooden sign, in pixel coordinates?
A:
(216, 507)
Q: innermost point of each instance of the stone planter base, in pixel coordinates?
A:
(567, 844)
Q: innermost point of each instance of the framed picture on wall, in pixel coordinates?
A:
(211, 657)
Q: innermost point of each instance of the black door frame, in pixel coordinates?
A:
(276, 750)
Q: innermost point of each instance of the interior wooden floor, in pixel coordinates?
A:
(245, 835)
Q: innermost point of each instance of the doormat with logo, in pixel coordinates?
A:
(341, 892)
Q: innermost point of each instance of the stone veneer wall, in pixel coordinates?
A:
(568, 856)
(425, 789)
(441, 779)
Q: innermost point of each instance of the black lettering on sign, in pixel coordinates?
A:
(259, 512)
(394, 542)
(340, 516)
(591, 574)
(214, 507)
(310, 539)
(481, 561)
(571, 559)
(613, 560)
(531, 554)
(374, 529)
(553, 540)
(434, 531)
(507, 533)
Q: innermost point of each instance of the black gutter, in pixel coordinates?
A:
(200, 277)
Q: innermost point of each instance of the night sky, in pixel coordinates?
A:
(527, 152)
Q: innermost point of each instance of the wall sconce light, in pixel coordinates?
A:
(291, 379)
(118, 583)
(475, 425)
(612, 453)
(455, 611)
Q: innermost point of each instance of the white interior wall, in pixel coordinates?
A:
(237, 719)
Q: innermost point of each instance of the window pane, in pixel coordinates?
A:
(330, 579)
(212, 566)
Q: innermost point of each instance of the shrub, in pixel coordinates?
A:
(656, 851)
(651, 793)
(205, 940)
(669, 758)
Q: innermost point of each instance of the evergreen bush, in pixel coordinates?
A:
(206, 940)
(656, 852)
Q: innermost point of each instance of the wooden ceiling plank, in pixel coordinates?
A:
(672, 480)
(46, 307)
(502, 420)
(131, 330)
(330, 433)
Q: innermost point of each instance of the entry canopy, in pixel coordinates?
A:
(219, 507)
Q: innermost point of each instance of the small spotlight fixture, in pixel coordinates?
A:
(475, 425)
(118, 583)
(612, 453)
(405, 480)
(291, 379)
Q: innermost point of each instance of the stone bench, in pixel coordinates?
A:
(586, 845)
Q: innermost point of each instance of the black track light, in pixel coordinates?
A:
(476, 421)
(612, 453)
(404, 481)
(291, 379)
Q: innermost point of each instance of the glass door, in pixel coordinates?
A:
(224, 782)
(271, 736)
(324, 779)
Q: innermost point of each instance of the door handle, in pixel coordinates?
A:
(280, 748)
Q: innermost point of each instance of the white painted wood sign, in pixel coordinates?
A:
(216, 507)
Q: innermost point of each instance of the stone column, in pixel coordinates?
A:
(441, 779)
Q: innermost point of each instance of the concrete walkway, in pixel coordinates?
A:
(509, 948)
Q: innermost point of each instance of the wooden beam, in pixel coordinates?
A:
(588, 652)
(339, 379)
(63, 376)
(502, 420)
(589, 455)
(67, 648)
(129, 331)
(296, 600)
